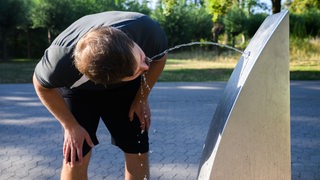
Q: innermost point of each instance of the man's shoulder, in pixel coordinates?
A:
(113, 16)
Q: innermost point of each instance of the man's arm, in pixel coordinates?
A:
(155, 70)
(74, 133)
(140, 104)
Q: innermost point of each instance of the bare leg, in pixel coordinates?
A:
(78, 172)
(137, 166)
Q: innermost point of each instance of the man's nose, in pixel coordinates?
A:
(145, 64)
(144, 67)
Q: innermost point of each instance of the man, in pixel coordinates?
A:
(93, 70)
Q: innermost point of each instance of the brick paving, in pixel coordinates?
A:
(31, 139)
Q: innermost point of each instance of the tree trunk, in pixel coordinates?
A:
(4, 45)
(216, 30)
(233, 39)
(49, 36)
(276, 6)
(243, 39)
(28, 43)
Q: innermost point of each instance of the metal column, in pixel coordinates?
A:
(249, 136)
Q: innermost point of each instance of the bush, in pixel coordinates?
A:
(234, 22)
(253, 23)
(184, 23)
(312, 22)
(306, 24)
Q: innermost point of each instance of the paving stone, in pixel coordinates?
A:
(31, 139)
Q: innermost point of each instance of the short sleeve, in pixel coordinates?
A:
(56, 68)
(148, 34)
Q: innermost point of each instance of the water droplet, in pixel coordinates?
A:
(139, 142)
(141, 164)
(246, 54)
(145, 177)
(139, 154)
(150, 151)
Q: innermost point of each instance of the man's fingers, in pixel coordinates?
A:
(131, 114)
(79, 154)
(88, 140)
(64, 149)
(142, 122)
(67, 153)
(73, 156)
(148, 123)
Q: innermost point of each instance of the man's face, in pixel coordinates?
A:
(142, 63)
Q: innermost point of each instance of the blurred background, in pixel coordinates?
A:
(27, 27)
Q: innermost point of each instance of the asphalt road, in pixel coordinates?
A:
(31, 139)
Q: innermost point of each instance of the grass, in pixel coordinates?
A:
(207, 66)
(305, 59)
(197, 65)
(203, 66)
(17, 71)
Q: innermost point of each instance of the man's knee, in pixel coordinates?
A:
(78, 171)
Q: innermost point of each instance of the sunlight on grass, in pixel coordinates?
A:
(197, 65)
(201, 59)
(173, 64)
(185, 66)
(305, 59)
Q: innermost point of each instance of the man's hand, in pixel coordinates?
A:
(73, 142)
(142, 110)
(140, 105)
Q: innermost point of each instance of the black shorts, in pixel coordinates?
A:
(112, 106)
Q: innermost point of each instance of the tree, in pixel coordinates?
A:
(234, 22)
(11, 15)
(178, 19)
(250, 6)
(137, 6)
(174, 17)
(54, 15)
(26, 25)
(304, 18)
(303, 6)
(217, 8)
(276, 6)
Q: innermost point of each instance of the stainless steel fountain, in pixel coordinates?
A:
(249, 136)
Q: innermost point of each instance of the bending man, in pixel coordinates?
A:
(93, 70)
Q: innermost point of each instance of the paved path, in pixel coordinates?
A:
(31, 139)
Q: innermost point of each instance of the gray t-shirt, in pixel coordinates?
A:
(56, 68)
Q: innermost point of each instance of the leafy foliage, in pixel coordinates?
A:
(26, 26)
(303, 6)
(218, 8)
(253, 23)
(234, 21)
(179, 20)
(11, 15)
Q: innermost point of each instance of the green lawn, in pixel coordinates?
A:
(17, 71)
(219, 68)
(185, 66)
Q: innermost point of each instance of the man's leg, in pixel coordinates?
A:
(137, 166)
(77, 172)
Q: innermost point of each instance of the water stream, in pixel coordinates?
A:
(199, 43)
